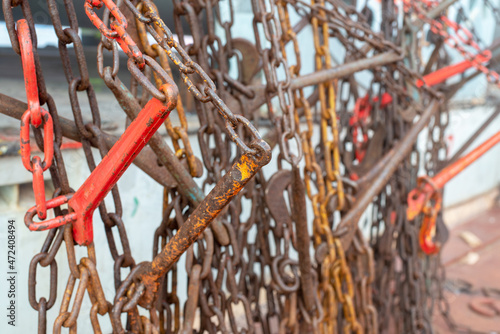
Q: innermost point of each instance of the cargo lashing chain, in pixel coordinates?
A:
(312, 313)
(216, 160)
(131, 105)
(178, 134)
(363, 107)
(253, 158)
(303, 311)
(53, 242)
(182, 147)
(104, 177)
(35, 116)
(100, 182)
(209, 52)
(270, 48)
(338, 16)
(242, 173)
(97, 186)
(206, 92)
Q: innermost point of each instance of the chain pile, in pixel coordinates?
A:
(318, 241)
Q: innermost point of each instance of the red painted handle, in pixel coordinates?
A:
(452, 170)
(100, 182)
(444, 73)
(418, 197)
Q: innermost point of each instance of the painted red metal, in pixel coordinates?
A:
(29, 72)
(427, 190)
(428, 228)
(118, 29)
(35, 116)
(358, 121)
(113, 165)
(51, 223)
(444, 73)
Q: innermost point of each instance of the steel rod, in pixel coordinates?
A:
(472, 138)
(387, 166)
(344, 70)
(320, 77)
(231, 183)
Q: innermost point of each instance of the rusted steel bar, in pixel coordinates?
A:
(344, 70)
(364, 181)
(186, 185)
(231, 183)
(304, 22)
(319, 77)
(387, 166)
(300, 218)
(472, 138)
(146, 160)
(434, 57)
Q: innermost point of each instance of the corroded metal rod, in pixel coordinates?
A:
(344, 70)
(472, 138)
(242, 171)
(321, 76)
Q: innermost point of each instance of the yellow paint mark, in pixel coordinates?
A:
(245, 167)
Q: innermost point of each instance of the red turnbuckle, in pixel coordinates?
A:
(37, 117)
(427, 199)
(92, 192)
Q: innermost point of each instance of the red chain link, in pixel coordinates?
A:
(118, 29)
(37, 117)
